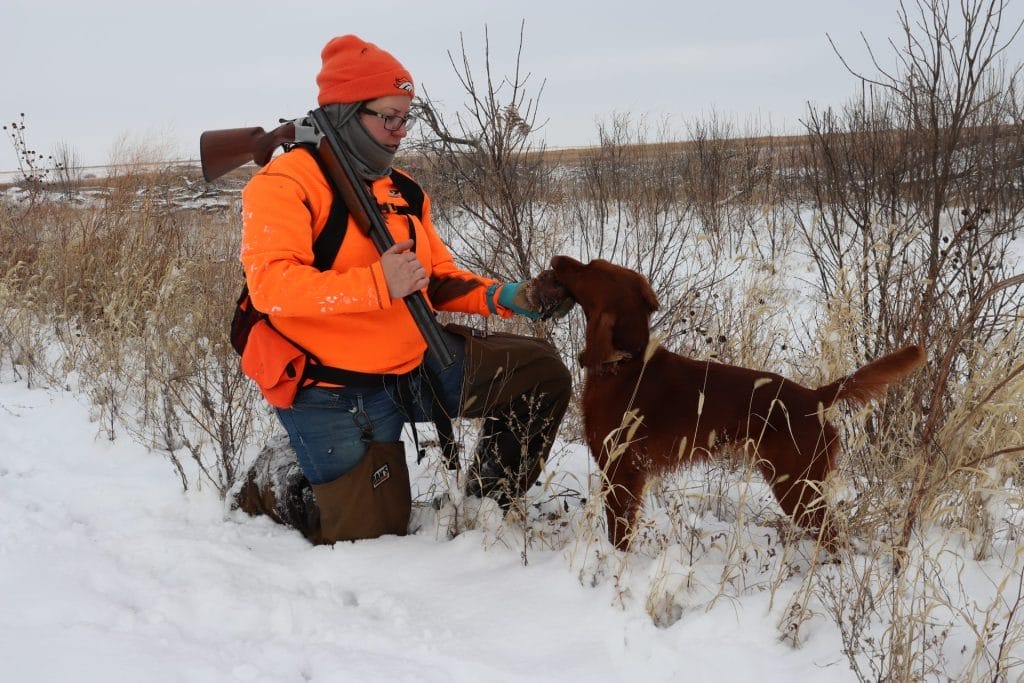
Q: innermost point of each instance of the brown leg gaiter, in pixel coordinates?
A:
(368, 501)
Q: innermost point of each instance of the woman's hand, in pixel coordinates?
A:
(402, 270)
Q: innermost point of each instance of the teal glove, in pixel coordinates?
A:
(512, 295)
(543, 297)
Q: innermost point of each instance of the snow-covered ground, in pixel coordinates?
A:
(110, 572)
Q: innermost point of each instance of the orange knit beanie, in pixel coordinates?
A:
(356, 71)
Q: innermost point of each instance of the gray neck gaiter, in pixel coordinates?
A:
(371, 159)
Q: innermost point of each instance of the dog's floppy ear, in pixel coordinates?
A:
(598, 348)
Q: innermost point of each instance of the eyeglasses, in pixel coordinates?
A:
(392, 122)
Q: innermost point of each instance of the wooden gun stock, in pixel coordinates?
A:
(222, 151)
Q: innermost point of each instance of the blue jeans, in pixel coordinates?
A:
(329, 428)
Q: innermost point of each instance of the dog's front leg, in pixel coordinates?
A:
(622, 504)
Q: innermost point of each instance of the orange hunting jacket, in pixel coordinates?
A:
(344, 316)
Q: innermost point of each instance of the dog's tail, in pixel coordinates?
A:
(870, 381)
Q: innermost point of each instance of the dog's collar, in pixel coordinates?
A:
(611, 364)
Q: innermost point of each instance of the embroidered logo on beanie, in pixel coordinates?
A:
(356, 71)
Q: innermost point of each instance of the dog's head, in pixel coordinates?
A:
(617, 302)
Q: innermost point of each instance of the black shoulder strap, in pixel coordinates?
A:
(410, 191)
(328, 242)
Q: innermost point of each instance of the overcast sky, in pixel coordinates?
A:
(97, 75)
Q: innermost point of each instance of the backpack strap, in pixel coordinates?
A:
(328, 242)
(410, 190)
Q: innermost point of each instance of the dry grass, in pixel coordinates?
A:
(126, 294)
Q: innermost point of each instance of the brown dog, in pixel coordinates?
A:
(645, 411)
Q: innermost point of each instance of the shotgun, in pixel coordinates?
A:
(221, 151)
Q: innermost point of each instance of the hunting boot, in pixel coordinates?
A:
(276, 487)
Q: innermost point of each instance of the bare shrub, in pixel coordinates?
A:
(132, 293)
(732, 182)
(197, 400)
(489, 172)
(67, 170)
(912, 219)
(35, 168)
(910, 185)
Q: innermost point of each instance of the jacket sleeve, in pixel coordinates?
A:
(451, 288)
(283, 208)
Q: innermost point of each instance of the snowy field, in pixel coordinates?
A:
(111, 573)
